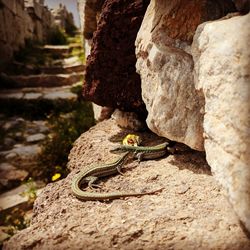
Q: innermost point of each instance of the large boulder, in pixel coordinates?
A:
(190, 212)
(111, 79)
(222, 58)
(175, 108)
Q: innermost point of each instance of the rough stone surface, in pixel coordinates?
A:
(243, 6)
(190, 213)
(21, 20)
(88, 11)
(222, 61)
(110, 78)
(128, 120)
(175, 108)
(35, 137)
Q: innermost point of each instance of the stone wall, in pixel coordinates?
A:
(89, 11)
(21, 20)
(63, 18)
(196, 88)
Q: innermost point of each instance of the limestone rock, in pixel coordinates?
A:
(111, 79)
(222, 61)
(175, 108)
(128, 120)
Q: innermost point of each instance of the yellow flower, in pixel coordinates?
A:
(131, 140)
(56, 176)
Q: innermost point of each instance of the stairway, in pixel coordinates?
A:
(36, 92)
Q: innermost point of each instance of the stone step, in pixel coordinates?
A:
(37, 102)
(44, 80)
(60, 50)
(35, 93)
(18, 196)
(78, 67)
(65, 66)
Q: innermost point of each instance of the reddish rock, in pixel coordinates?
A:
(111, 79)
(243, 6)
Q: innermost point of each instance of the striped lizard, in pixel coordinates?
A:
(91, 176)
(144, 153)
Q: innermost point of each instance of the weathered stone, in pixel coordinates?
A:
(11, 177)
(175, 108)
(46, 80)
(110, 78)
(35, 137)
(6, 166)
(89, 10)
(176, 218)
(128, 120)
(101, 113)
(222, 70)
(17, 196)
(19, 21)
(243, 6)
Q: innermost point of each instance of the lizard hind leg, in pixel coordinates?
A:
(91, 180)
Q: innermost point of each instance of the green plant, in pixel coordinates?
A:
(31, 190)
(57, 36)
(66, 128)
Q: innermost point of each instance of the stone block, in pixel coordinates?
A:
(111, 79)
(175, 108)
(222, 71)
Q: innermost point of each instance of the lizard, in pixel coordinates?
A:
(144, 153)
(91, 176)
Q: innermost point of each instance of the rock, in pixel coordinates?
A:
(175, 108)
(60, 94)
(14, 123)
(41, 126)
(18, 196)
(89, 10)
(110, 78)
(128, 120)
(222, 71)
(8, 142)
(200, 218)
(35, 137)
(6, 166)
(10, 155)
(102, 113)
(11, 177)
(243, 6)
(44, 80)
(24, 152)
(3, 235)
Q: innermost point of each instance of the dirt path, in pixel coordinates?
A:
(190, 213)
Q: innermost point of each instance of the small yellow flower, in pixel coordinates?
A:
(131, 140)
(56, 176)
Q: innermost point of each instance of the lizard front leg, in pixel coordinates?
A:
(91, 180)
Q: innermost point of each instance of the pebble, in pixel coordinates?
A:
(35, 138)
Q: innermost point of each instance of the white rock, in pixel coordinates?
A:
(222, 66)
(175, 108)
(128, 120)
